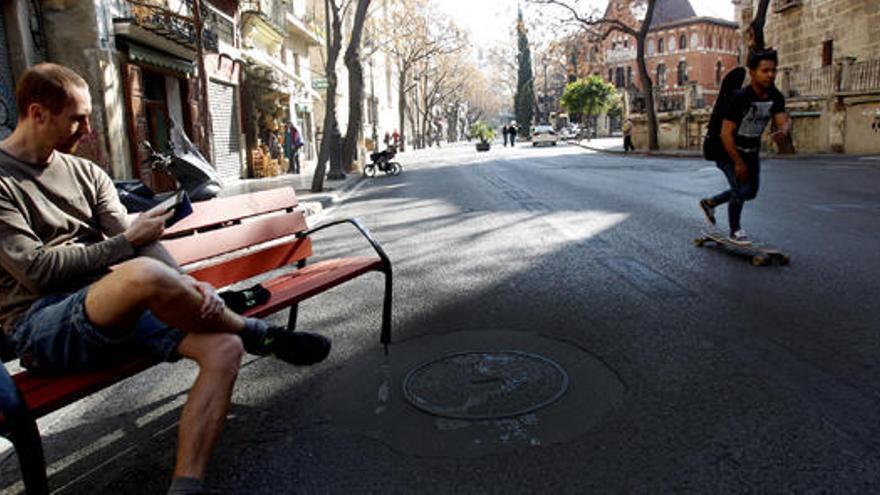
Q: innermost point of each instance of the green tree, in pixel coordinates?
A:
(591, 96)
(524, 99)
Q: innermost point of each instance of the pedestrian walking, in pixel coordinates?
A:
(292, 144)
(744, 122)
(512, 130)
(505, 131)
(627, 136)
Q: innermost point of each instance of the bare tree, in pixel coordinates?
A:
(355, 84)
(330, 139)
(414, 35)
(602, 26)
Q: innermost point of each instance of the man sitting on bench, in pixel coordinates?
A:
(62, 228)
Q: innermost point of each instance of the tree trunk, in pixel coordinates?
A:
(401, 104)
(331, 126)
(651, 114)
(355, 85)
(756, 28)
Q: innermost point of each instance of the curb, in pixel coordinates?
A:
(314, 204)
(698, 155)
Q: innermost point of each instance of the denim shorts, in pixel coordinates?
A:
(55, 335)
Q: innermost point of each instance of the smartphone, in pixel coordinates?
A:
(179, 202)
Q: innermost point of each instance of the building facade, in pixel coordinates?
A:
(686, 54)
(829, 59)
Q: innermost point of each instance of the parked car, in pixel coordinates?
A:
(544, 134)
(569, 132)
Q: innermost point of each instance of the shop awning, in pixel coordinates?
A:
(156, 58)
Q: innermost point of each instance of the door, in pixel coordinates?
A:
(158, 123)
(225, 121)
(7, 87)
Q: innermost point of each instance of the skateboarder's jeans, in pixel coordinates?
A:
(738, 194)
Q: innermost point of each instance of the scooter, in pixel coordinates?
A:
(382, 162)
(185, 163)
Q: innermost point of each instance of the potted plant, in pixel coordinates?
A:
(484, 133)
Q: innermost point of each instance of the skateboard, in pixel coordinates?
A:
(760, 255)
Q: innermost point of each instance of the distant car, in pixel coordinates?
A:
(544, 134)
(569, 132)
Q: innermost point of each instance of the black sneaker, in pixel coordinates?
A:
(708, 211)
(299, 348)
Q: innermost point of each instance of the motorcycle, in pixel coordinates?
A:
(382, 162)
(184, 162)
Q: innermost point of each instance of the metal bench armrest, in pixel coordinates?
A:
(360, 227)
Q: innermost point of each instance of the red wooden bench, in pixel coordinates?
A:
(223, 241)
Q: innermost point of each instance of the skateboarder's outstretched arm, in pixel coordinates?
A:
(782, 122)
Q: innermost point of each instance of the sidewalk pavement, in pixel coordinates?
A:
(312, 203)
(614, 145)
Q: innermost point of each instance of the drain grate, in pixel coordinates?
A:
(481, 385)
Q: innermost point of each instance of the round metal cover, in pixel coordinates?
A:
(480, 385)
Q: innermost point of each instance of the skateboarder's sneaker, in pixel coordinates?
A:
(740, 238)
(708, 211)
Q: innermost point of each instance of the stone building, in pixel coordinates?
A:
(829, 58)
(22, 44)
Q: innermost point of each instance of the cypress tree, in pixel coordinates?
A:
(523, 101)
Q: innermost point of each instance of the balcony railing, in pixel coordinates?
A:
(273, 11)
(170, 19)
(815, 82)
(861, 76)
(155, 16)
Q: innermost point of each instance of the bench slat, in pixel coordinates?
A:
(205, 245)
(313, 279)
(245, 267)
(222, 210)
(44, 394)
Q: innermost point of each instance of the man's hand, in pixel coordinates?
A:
(212, 303)
(779, 137)
(741, 171)
(147, 227)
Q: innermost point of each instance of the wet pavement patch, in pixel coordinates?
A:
(472, 393)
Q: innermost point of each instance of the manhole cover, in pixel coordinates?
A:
(485, 384)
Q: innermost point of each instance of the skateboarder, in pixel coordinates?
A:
(744, 122)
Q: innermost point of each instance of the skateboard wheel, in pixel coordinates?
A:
(699, 242)
(759, 260)
(784, 260)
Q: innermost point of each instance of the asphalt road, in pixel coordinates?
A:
(726, 377)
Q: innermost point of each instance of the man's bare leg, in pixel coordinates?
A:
(203, 416)
(118, 300)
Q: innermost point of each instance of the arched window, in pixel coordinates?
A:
(629, 76)
(672, 43)
(611, 75)
(718, 70)
(650, 47)
(711, 41)
(660, 45)
(682, 73)
(619, 75)
(695, 41)
(661, 76)
(682, 42)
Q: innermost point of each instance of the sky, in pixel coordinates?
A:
(490, 21)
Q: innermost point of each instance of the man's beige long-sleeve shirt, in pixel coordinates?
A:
(61, 228)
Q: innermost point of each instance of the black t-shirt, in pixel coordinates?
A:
(751, 115)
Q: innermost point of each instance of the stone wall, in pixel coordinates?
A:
(798, 32)
(73, 39)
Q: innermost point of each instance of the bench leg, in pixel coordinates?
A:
(18, 425)
(25, 436)
(291, 318)
(386, 309)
